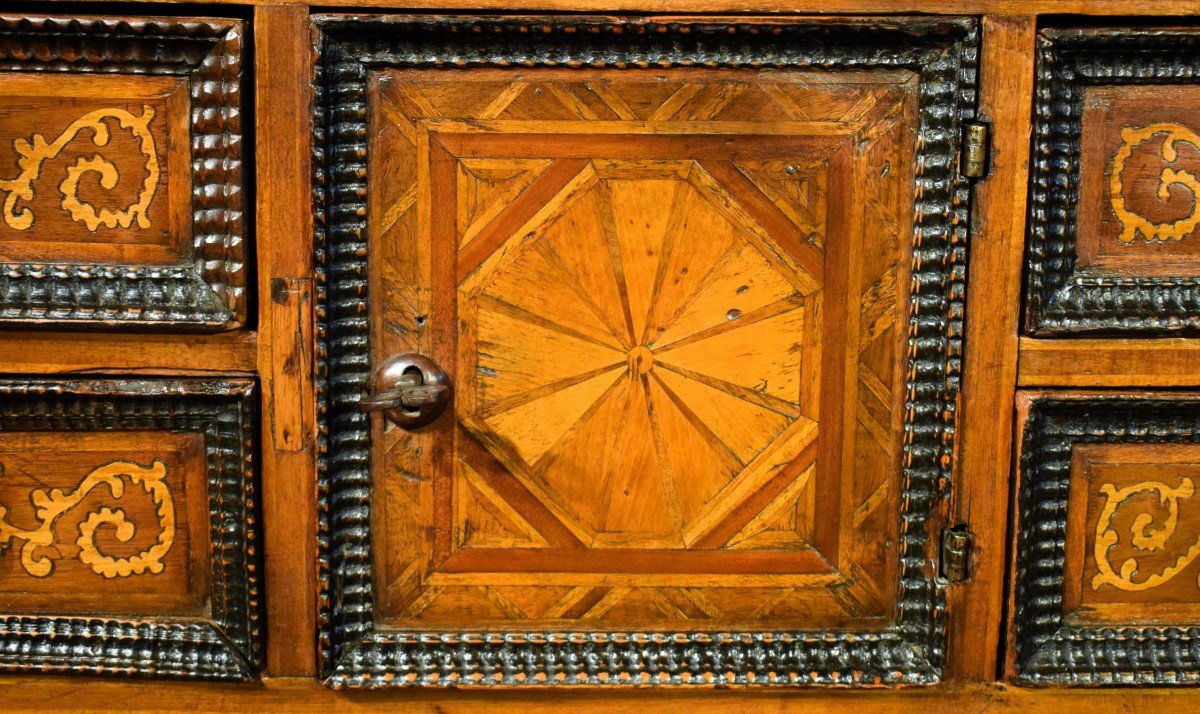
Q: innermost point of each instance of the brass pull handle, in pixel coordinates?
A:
(410, 389)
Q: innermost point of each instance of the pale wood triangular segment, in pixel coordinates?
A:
(784, 523)
(486, 186)
(697, 465)
(576, 239)
(512, 355)
(782, 451)
(535, 283)
(615, 490)
(742, 283)
(742, 427)
(638, 223)
(763, 355)
(643, 98)
(534, 427)
(484, 519)
(796, 188)
(700, 241)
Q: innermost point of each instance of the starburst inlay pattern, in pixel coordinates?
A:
(679, 328)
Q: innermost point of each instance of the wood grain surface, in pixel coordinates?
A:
(41, 694)
(502, 181)
(675, 347)
(155, 482)
(130, 131)
(992, 324)
(285, 331)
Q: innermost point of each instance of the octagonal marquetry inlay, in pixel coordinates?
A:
(646, 307)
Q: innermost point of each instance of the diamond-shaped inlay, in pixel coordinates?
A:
(641, 349)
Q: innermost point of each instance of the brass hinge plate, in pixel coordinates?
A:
(973, 161)
(956, 553)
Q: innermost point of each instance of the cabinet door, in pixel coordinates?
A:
(689, 295)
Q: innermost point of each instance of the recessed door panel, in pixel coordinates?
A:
(646, 316)
(627, 347)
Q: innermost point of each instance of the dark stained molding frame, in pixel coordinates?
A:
(229, 646)
(208, 291)
(358, 654)
(1059, 299)
(1048, 651)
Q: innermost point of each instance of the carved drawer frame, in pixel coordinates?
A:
(1044, 648)
(356, 654)
(1059, 299)
(227, 647)
(208, 293)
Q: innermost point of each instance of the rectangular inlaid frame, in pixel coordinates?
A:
(1060, 299)
(227, 646)
(943, 52)
(206, 292)
(1046, 649)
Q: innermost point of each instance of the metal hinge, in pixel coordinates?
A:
(956, 553)
(973, 161)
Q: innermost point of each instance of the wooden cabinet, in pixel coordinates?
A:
(540, 347)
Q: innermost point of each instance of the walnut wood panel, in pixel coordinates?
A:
(1162, 362)
(674, 304)
(1113, 201)
(112, 524)
(981, 496)
(1130, 516)
(128, 528)
(64, 205)
(283, 104)
(121, 173)
(45, 352)
(1104, 587)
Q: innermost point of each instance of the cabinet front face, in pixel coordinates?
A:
(677, 310)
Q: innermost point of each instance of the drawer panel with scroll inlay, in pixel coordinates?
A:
(1107, 561)
(122, 191)
(128, 527)
(1114, 221)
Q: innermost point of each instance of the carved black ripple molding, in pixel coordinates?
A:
(1049, 651)
(228, 645)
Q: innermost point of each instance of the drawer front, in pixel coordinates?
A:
(128, 527)
(121, 173)
(674, 308)
(1114, 223)
(1108, 535)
